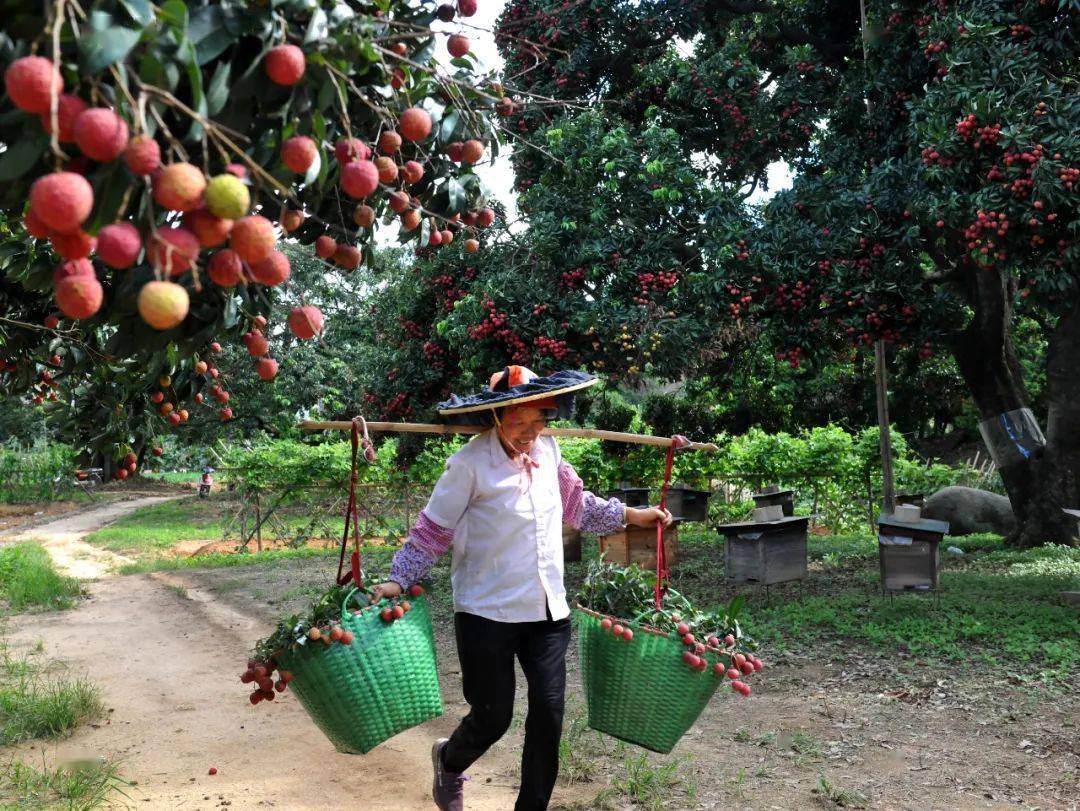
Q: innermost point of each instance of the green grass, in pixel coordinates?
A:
(178, 476)
(28, 579)
(37, 702)
(149, 531)
(218, 560)
(161, 526)
(996, 608)
(83, 785)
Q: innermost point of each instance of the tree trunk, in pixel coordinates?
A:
(1045, 482)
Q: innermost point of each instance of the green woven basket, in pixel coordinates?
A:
(383, 683)
(641, 691)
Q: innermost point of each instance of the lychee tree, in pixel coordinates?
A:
(156, 156)
(934, 204)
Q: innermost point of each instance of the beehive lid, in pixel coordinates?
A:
(770, 493)
(923, 524)
(763, 526)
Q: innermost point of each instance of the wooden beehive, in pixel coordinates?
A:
(687, 504)
(773, 495)
(638, 545)
(767, 552)
(908, 553)
(631, 496)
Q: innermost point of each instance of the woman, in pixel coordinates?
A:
(501, 503)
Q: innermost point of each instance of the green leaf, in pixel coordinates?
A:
(218, 91)
(449, 126)
(456, 196)
(208, 31)
(175, 13)
(141, 11)
(99, 49)
(22, 156)
(318, 28)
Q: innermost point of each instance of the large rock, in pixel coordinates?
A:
(969, 510)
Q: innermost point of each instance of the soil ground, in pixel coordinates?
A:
(824, 728)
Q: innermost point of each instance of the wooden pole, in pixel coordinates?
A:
(881, 379)
(439, 428)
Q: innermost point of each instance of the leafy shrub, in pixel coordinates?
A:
(41, 473)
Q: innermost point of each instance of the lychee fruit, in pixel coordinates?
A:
(142, 155)
(445, 12)
(34, 226)
(466, 8)
(257, 345)
(179, 187)
(351, 149)
(447, 236)
(325, 247)
(472, 151)
(267, 368)
(236, 170)
(227, 196)
(414, 124)
(225, 414)
(285, 64)
(62, 200)
(364, 216)
(486, 217)
(72, 267)
(457, 45)
(253, 238)
(30, 83)
(68, 108)
(347, 257)
(389, 142)
(271, 271)
(79, 296)
(292, 219)
(359, 178)
(163, 305)
(75, 245)
(225, 268)
(306, 321)
(410, 219)
(453, 151)
(412, 171)
(471, 246)
(399, 201)
(173, 250)
(101, 134)
(387, 169)
(298, 153)
(211, 231)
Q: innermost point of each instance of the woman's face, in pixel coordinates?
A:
(522, 425)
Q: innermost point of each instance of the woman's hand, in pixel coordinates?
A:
(387, 590)
(647, 516)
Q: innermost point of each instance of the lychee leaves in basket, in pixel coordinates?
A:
(627, 592)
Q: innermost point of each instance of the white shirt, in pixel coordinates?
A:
(507, 553)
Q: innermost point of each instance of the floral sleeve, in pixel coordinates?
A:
(583, 510)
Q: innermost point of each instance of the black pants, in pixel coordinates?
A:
(486, 649)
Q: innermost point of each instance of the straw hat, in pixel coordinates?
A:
(518, 385)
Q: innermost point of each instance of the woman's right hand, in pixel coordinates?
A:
(387, 590)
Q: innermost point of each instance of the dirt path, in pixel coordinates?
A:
(167, 660)
(63, 537)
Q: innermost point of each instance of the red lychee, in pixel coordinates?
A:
(142, 155)
(271, 271)
(119, 244)
(414, 124)
(412, 171)
(62, 200)
(298, 153)
(79, 296)
(285, 64)
(472, 151)
(75, 245)
(68, 109)
(179, 187)
(101, 134)
(226, 269)
(351, 149)
(359, 178)
(325, 247)
(347, 257)
(73, 267)
(267, 368)
(30, 83)
(457, 45)
(253, 238)
(211, 231)
(173, 250)
(306, 321)
(389, 142)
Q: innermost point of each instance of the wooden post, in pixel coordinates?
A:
(888, 501)
(258, 521)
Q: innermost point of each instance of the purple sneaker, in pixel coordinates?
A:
(447, 789)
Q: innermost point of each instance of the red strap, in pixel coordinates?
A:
(351, 516)
(660, 589)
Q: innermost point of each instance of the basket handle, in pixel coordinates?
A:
(351, 514)
(660, 589)
(352, 593)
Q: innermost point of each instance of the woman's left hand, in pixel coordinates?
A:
(647, 516)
